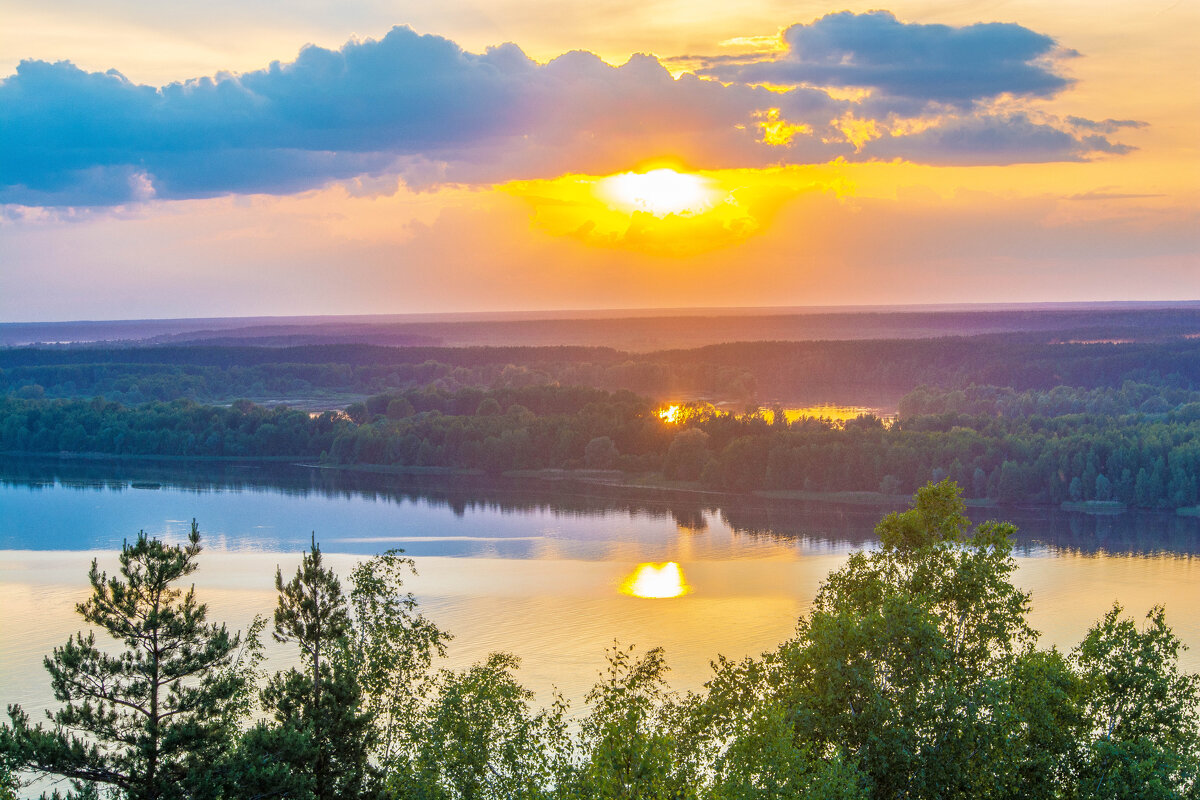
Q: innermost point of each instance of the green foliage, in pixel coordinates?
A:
(9, 783)
(915, 675)
(903, 658)
(1144, 714)
(600, 453)
(628, 743)
(392, 650)
(791, 369)
(480, 740)
(311, 610)
(739, 742)
(687, 455)
(156, 718)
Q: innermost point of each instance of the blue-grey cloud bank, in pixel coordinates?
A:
(423, 109)
(908, 63)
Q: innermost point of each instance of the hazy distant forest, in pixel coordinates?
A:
(1019, 417)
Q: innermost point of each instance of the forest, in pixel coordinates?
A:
(1136, 444)
(915, 674)
(863, 372)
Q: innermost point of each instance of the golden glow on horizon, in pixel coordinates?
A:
(656, 581)
(659, 192)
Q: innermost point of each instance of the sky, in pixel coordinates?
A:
(259, 158)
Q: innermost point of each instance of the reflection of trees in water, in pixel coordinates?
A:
(815, 522)
(459, 493)
(689, 518)
(1131, 532)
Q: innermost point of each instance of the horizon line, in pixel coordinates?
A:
(546, 315)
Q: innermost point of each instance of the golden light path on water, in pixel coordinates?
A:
(656, 581)
(559, 615)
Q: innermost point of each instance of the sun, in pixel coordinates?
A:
(659, 192)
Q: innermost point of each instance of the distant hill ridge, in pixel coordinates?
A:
(635, 330)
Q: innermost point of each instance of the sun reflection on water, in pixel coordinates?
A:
(656, 581)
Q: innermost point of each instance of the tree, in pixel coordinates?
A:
(628, 744)
(902, 668)
(915, 675)
(739, 744)
(392, 651)
(1075, 489)
(1143, 713)
(9, 784)
(481, 740)
(154, 719)
(311, 612)
(600, 453)
(686, 455)
(317, 710)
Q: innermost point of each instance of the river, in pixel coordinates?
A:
(540, 571)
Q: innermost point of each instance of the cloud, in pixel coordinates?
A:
(1104, 125)
(906, 62)
(990, 140)
(416, 105)
(421, 108)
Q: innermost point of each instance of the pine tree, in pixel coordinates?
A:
(153, 719)
(311, 612)
(319, 706)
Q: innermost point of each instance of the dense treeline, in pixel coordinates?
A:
(1128, 398)
(798, 371)
(915, 675)
(1101, 445)
(179, 428)
(1135, 444)
(502, 430)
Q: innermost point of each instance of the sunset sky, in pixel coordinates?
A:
(254, 158)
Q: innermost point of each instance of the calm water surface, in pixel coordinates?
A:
(534, 571)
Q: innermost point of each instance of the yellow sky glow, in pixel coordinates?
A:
(668, 212)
